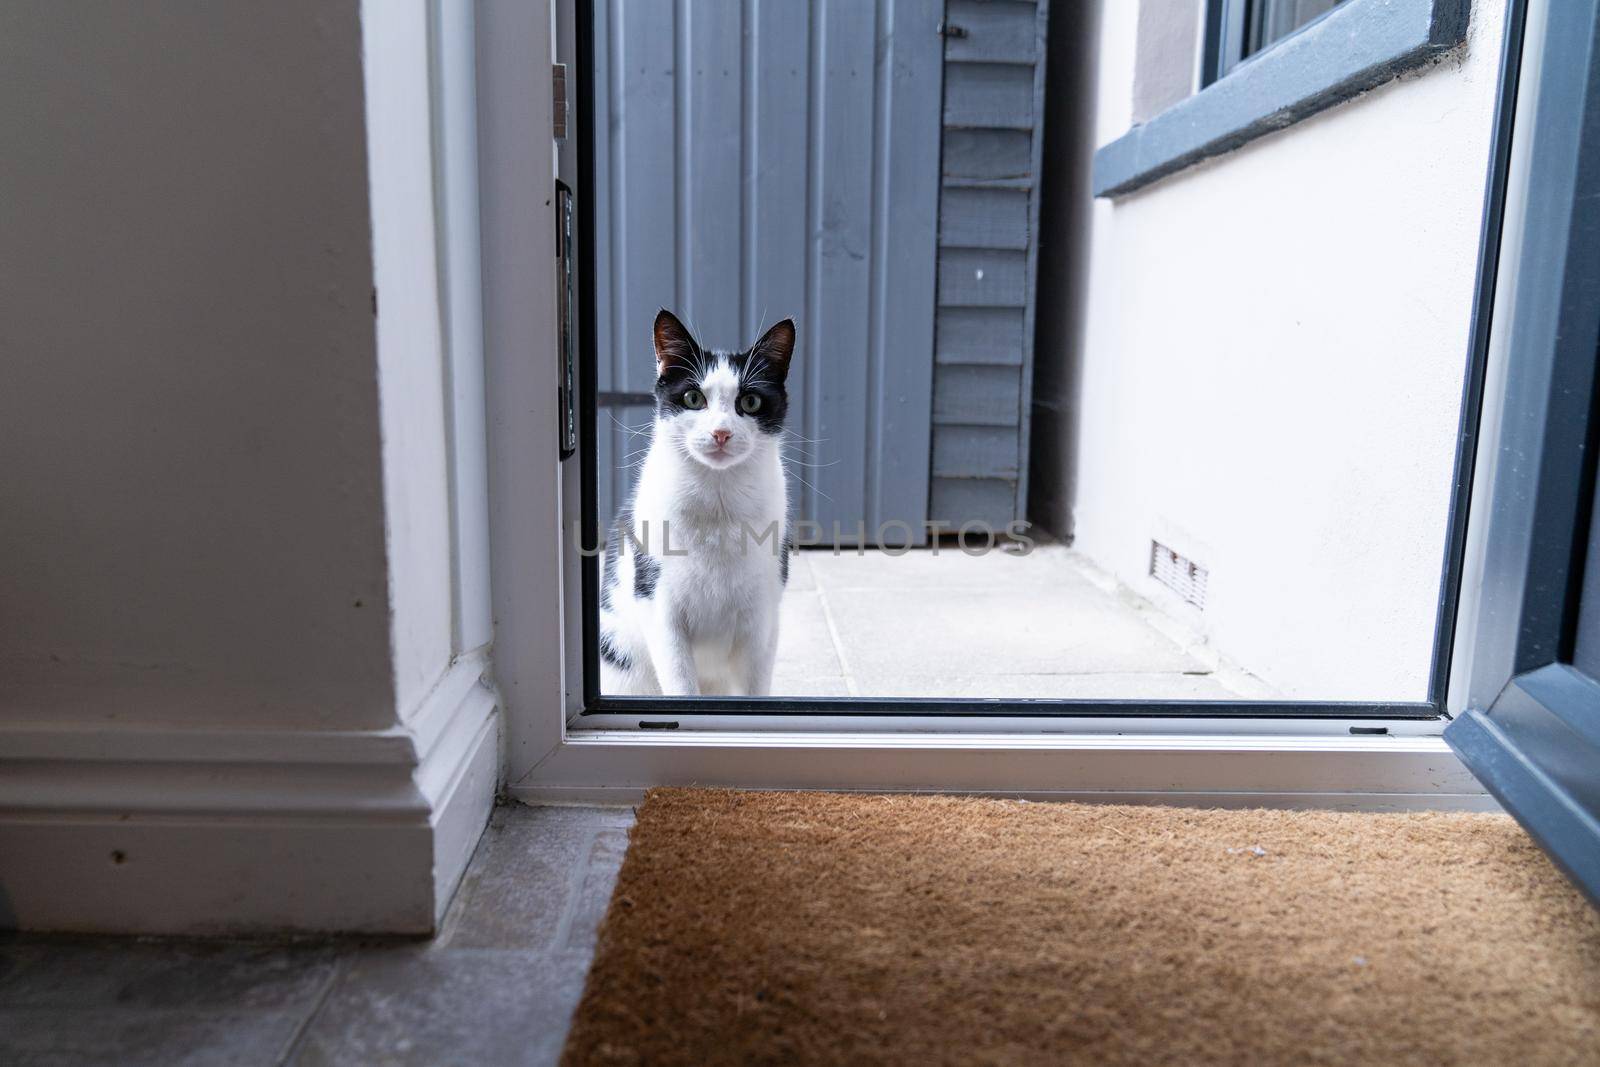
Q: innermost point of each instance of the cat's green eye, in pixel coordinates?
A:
(694, 400)
(749, 403)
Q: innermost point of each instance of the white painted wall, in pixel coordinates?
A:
(192, 521)
(239, 665)
(1272, 366)
(411, 355)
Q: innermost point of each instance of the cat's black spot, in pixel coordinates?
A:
(612, 654)
(763, 378)
(783, 558)
(646, 572)
(678, 380)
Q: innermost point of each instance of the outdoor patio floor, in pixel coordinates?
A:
(948, 624)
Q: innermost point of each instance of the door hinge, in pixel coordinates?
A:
(558, 101)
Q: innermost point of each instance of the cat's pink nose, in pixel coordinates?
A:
(721, 436)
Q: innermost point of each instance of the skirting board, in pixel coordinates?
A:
(189, 832)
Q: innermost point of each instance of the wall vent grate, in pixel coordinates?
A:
(1179, 573)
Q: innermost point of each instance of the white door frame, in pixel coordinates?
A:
(553, 756)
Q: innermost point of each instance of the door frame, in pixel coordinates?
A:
(568, 743)
(1531, 725)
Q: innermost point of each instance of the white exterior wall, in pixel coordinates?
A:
(1273, 361)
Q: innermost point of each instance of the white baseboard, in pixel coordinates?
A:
(194, 832)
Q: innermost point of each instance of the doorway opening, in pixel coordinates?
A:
(1110, 396)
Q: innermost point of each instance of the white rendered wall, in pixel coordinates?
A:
(1272, 368)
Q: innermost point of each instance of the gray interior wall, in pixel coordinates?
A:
(1168, 46)
(191, 505)
(1063, 260)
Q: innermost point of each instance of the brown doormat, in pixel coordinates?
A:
(817, 928)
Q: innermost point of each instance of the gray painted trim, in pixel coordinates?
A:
(1355, 47)
(1531, 728)
(1543, 785)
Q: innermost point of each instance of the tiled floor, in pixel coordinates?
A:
(497, 986)
(1044, 624)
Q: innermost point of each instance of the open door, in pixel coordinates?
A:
(1531, 729)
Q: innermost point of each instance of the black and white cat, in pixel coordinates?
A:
(696, 564)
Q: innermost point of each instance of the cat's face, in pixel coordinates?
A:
(720, 408)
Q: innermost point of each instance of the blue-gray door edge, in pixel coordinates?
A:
(1531, 727)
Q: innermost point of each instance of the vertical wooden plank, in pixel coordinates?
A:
(777, 114)
(643, 124)
(839, 214)
(910, 78)
(709, 148)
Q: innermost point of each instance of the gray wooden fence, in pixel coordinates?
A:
(989, 210)
(763, 158)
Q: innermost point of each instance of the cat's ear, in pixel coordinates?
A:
(675, 346)
(777, 346)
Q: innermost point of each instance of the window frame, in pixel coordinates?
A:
(1227, 23)
(1350, 50)
(1228, 28)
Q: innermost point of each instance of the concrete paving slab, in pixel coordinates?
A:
(949, 568)
(801, 579)
(1000, 625)
(806, 652)
(1037, 631)
(1113, 686)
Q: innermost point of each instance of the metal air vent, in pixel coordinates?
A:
(1179, 573)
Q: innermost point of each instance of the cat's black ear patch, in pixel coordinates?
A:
(675, 346)
(776, 347)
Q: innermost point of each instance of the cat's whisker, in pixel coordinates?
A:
(803, 481)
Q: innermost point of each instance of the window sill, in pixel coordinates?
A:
(1354, 48)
